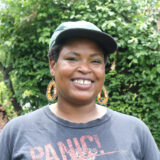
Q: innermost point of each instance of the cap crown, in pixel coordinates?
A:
(71, 25)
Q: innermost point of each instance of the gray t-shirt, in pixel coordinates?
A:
(41, 135)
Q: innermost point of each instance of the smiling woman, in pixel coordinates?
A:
(76, 128)
(79, 72)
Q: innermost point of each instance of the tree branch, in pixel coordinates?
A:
(9, 85)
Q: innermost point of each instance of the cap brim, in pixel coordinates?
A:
(105, 41)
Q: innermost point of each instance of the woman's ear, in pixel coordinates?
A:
(52, 64)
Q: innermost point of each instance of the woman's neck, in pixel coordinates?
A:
(78, 113)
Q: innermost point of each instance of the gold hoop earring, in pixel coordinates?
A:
(105, 99)
(52, 84)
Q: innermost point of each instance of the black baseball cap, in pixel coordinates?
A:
(83, 29)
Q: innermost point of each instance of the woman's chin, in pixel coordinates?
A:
(82, 100)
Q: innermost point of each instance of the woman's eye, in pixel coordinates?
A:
(97, 61)
(71, 58)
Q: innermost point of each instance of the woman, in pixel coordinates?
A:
(76, 128)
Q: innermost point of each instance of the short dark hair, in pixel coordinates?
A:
(54, 52)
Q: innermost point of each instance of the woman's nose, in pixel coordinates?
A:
(84, 67)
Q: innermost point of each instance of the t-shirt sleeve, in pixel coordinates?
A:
(8, 136)
(5, 153)
(150, 149)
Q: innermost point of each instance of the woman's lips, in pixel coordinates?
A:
(82, 83)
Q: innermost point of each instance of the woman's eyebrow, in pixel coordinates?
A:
(95, 55)
(74, 53)
(78, 54)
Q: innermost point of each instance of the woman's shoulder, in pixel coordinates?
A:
(32, 114)
(119, 117)
(125, 120)
(26, 120)
(124, 117)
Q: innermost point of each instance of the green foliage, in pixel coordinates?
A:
(134, 83)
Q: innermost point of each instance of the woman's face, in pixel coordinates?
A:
(79, 72)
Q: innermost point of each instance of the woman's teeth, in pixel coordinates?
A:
(81, 81)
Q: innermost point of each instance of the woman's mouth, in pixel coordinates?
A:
(82, 81)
